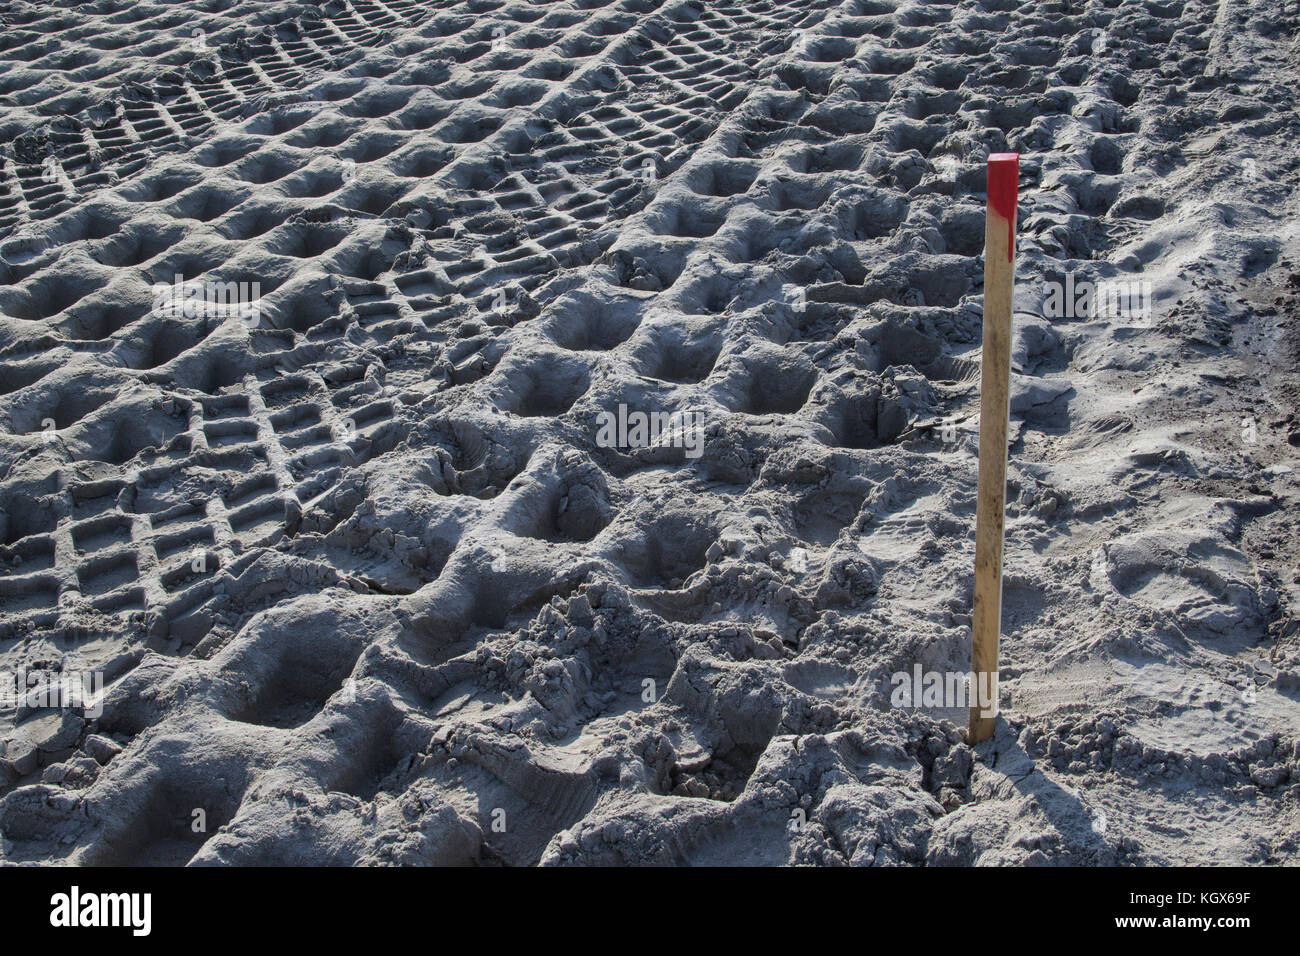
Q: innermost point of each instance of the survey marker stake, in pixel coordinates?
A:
(995, 388)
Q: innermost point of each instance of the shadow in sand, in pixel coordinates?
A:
(1082, 829)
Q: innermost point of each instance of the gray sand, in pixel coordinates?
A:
(378, 569)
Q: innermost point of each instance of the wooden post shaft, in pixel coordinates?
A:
(995, 388)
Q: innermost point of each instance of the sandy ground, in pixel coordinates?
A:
(364, 579)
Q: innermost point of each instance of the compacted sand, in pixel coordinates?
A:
(372, 574)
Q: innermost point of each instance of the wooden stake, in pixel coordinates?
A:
(995, 389)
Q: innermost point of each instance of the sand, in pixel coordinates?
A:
(539, 433)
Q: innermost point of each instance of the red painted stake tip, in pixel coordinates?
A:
(1003, 184)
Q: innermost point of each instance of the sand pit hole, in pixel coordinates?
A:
(188, 540)
(187, 265)
(553, 70)
(883, 63)
(820, 518)
(421, 162)
(373, 104)
(19, 257)
(278, 122)
(547, 390)
(1140, 207)
(259, 523)
(466, 89)
(858, 27)
(583, 322)
(182, 575)
(264, 168)
(687, 220)
(335, 91)
(46, 296)
(300, 425)
(820, 321)
(206, 203)
(423, 282)
(165, 340)
(211, 372)
(372, 198)
(470, 129)
(776, 388)
(710, 295)
(301, 310)
(162, 186)
(478, 176)
(287, 391)
(254, 221)
(580, 46)
(722, 778)
(1124, 91)
(306, 240)
(674, 357)
(130, 436)
(68, 406)
(855, 421)
(161, 832)
(875, 217)
(831, 50)
(305, 676)
(322, 136)
(1010, 117)
(1106, 157)
(672, 549)
(372, 146)
(943, 284)
(365, 263)
(136, 245)
(22, 516)
(518, 93)
(798, 77)
(314, 183)
(422, 115)
(1040, 52)
(836, 157)
(1096, 195)
(34, 554)
(963, 231)
(233, 431)
(483, 469)
(573, 513)
(924, 105)
(651, 269)
(787, 194)
(15, 376)
(946, 76)
(224, 407)
(722, 179)
(248, 490)
(905, 135)
(1165, 11)
(95, 498)
(223, 153)
(373, 763)
(535, 39)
